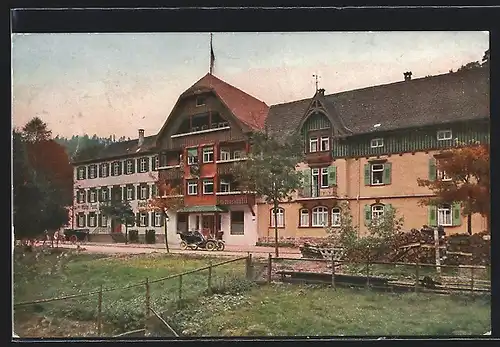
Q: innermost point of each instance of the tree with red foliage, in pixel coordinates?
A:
(167, 199)
(467, 168)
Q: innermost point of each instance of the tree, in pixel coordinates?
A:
(270, 170)
(36, 130)
(167, 199)
(120, 211)
(468, 168)
(486, 58)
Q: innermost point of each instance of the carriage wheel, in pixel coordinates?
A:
(193, 247)
(184, 245)
(220, 246)
(211, 246)
(73, 239)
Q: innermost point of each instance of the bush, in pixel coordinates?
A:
(286, 244)
(150, 236)
(232, 286)
(133, 235)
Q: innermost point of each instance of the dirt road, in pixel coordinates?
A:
(261, 252)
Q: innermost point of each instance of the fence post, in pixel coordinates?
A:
(472, 279)
(209, 279)
(99, 313)
(367, 274)
(269, 268)
(180, 292)
(333, 272)
(148, 304)
(417, 276)
(248, 267)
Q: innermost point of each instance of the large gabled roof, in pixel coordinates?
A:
(446, 98)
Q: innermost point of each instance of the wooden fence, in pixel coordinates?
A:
(147, 298)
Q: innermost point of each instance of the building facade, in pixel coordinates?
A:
(365, 147)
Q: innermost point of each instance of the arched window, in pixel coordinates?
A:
(304, 218)
(335, 217)
(319, 216)
(280, 214)
(377, 212)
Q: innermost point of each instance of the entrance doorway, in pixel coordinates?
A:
(207, 223)
(116, 226)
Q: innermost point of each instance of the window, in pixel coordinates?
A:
(129, 167)
(444, 215)
(81, 196)
(92, 220)
(116, 168)
(80, 222)
(335, 217)
(104, 220)
(237, 223)
(208, 186)
(130, 193)
(156, 162)
(225, 186)
(93, 196)
(441, 174)
(104, 194)
(443, 135)
(200, 101)
(280, 214)
(324, 177)
(144, 192)
(92, 171)
(208, 154)
(304, 218)
(143, 165)
(237, 154)
(81, 173)
(192, 156)
(313, 144)
(143, 219)
(192, 188)
(104, 170)
(319, 216)
(325, 143)
(377, 212)
(376, 143)
(157, 219)
(225, 155)
(154, 191)
(377, 174)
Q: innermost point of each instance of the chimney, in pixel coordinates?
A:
(407, 76)
(141, 138)
(321, 91)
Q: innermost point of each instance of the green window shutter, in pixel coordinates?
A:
(98, 193)
(124, 193)
(162, 220)
(152, 217)
(456, 214)
(387, 173)
(88, 219)
(120, 167)
(367, 174)
(147, 219)
(332, 175)
(147, 164)
(133, 166)
(153, 163)
(154, 191)
(368, 215)
(432, 169)
(306, 181)
(147, 191)
(88, 195)
(99, 220)
(432, 216)
(84, 170)
(388, 207)
(100, 170)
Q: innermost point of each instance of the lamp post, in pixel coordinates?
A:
(166, 228)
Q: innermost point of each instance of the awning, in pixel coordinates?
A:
(202, 209)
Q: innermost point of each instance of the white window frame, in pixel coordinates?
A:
(225, 155)
(315, 188)
(93, 196)
(156, 159)
(79, 223)
(208, 154)
(280, 213)
(324, 172)
(80, 173)
(104, 194)
(192, 159)
(377, 143)
(444, 212)
(208, 182)
(441, 174)
(304, 218)
(225, 183)
(319, 216)
(128, 167)
(336, 217)
(116, 168)
(237, 154)
(372, 176)
(81, 196)
(143, 163)
(192, 188)
(157, 219)
(104, 220)
(92, 220)
(92, 171)
(143, 217)
(443, 135)
(323, 140)
(130, 189)
(104, 170)
(378, 211)
(144, 192)
(313, 140)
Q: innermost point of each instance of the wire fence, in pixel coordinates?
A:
(143, 304)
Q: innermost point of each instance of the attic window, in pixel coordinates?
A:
(200, 101)
(443, 135)
(376, 143)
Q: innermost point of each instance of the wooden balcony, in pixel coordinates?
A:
(320, 193)
(228, 167)
(170, 172)
(235, 198)
(319, 157)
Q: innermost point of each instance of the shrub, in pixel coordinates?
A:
(232, 285)
(150, 236)
(133, 235)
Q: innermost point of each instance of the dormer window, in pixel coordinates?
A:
(200, 101)
(325, 143)
(313, 144)
(443, 135)
(377, 143)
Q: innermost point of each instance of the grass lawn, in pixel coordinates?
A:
(236, 309)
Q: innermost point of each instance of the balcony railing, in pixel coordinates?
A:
(234, 198)
(319, 157)
(170, 173)
(317, 193)
(227, 167)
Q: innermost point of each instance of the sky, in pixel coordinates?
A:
(108, 84)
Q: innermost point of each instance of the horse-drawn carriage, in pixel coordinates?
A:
(76, 235)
